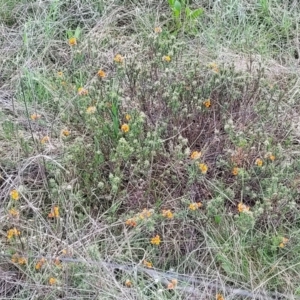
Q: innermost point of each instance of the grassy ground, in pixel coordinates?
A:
(149, 149)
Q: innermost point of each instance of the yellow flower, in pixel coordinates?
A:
(195, 205)
(14, 194)
(72, 41)
(195, 155)
(147, 264)
(272, 157)
(219, 297)
(167, 214)
(166, 58)
(22, 261)
(125, 128)
(157, 30)
(283, 242)
(91, 110)
(101, 74)
(146, 213)
(214, 67)
(65, 132)
(52, 280)
(18, 259)
(119, 58)
(131, 222)
(128, 283)
(54, 212)
(203, 168)
(235, 171)
(60, 74)
(127, 117)
(45, 139)
(156, 240)
(207, 103)
(12, 232)
(13, 212)
(259, 162)
(172, 285)
(35, 117)
(82, 91)
(40, 263)
(242, 207)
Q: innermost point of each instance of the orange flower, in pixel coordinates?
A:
(119, 58)
(82, 91)
(128, 283)
(272, 157)
(14, 194)
(40, 263)
(166, 58)
(127, 117)
(219, 297)
(72, 41)
(203, 168)
(12, 232)
(125, 128)
(242, 207)
(52, 280)
(157, 30)
(147, 264)
(207, 103)
(195, 205)
(57, 262)
(167, 214)
(101, 74)
(60, 74)
(35, 117)
(156, 240)
(18, 259)
(195, 155)
(54, 212)
(131, 222)
(235, 171)
(259, 162)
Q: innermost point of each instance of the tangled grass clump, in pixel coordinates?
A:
(156, 157)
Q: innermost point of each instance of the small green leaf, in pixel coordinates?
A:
(177, 6)
(77, 32)
(218, 219)
(171, 3)
(197, 13)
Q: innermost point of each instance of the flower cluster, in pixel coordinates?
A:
(18, 259)
(195, 205)
(40, 263)
(167, 213)
(242, 207)
(203, 168)
(283, 242)
(14, 194)
(156, 240)
(13, 232)
(54, 212)
(195, 155)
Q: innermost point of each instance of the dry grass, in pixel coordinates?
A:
(77, 190)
